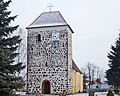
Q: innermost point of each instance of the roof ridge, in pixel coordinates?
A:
(51, 12)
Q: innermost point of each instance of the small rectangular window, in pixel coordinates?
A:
(39, 37)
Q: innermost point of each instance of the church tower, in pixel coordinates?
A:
(49, 55)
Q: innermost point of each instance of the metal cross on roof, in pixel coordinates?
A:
(50, 6)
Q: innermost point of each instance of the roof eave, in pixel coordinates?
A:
(75, 67)
(31, 27)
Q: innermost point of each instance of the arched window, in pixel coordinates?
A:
(39, 37)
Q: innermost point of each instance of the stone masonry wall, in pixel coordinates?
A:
(48, 60)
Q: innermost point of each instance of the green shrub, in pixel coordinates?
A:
(110, 93)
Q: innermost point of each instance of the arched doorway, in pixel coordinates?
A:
(46, 87)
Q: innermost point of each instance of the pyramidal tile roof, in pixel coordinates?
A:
(53, 18)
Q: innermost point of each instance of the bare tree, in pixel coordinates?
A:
(93, 72)
(22, 50)
(89, 72)
(102, 75)
(97, 71)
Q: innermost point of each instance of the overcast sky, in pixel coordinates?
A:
(95, 23)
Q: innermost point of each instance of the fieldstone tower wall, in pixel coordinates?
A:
(49, 57)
